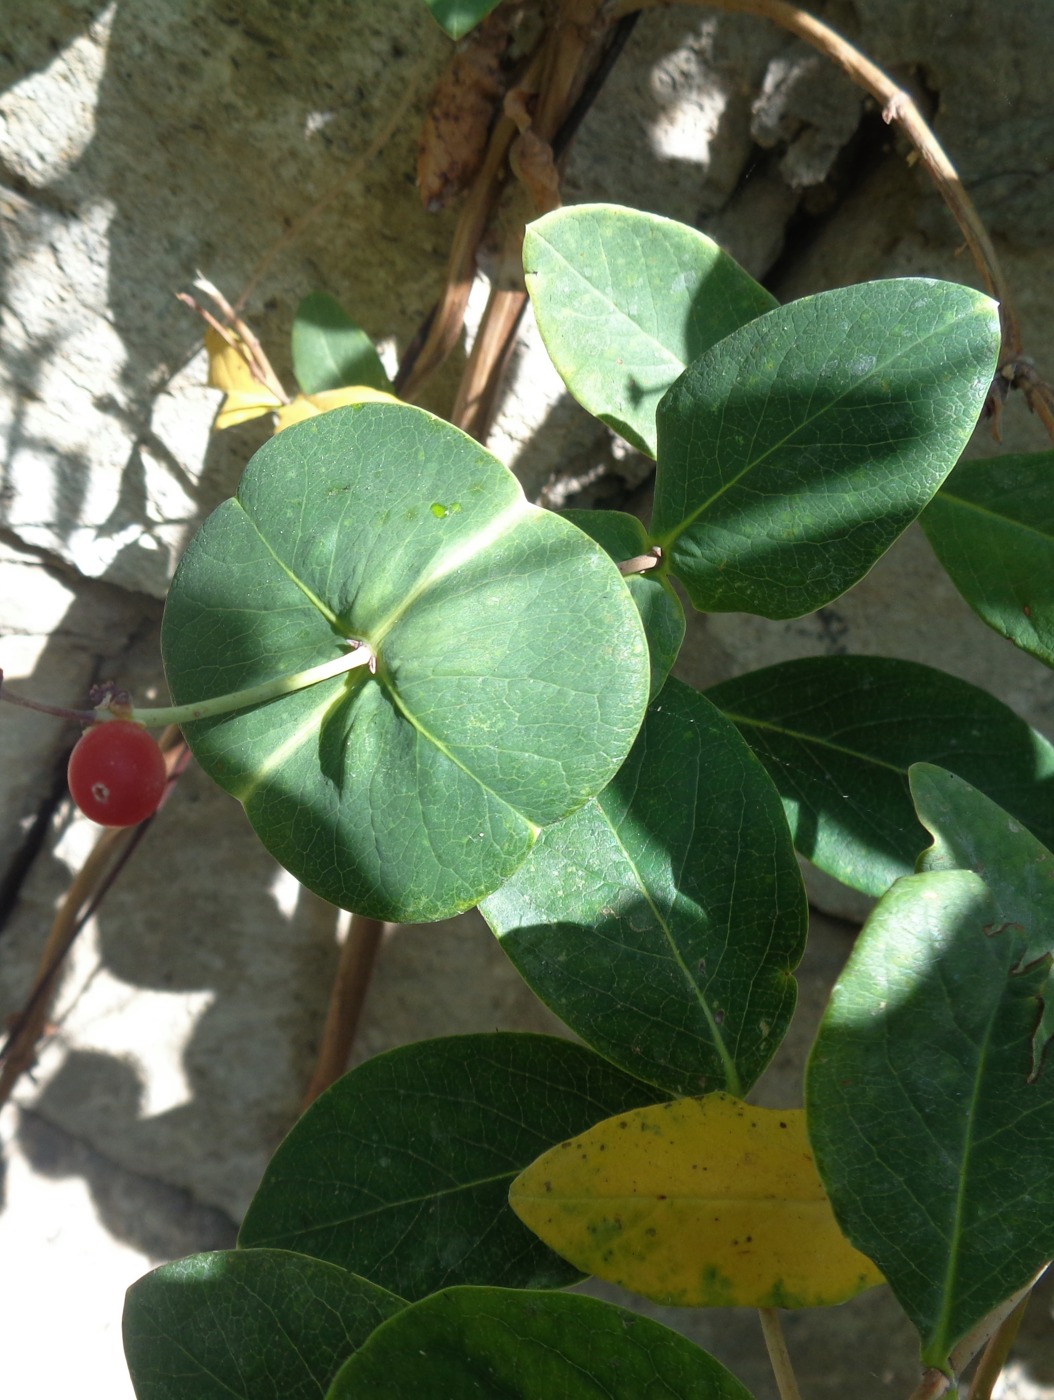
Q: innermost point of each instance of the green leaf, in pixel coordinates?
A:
(401, 1170)
(992, 527)
(624, 537)
(512, 667)
(496, 1345)
(624, 300)
(838, 734)
(932, 1136)
(259, 1325)
(794, 452)
(662, 923)
(698, 1203)
(330, 351)
(972, 833)
(457, 17)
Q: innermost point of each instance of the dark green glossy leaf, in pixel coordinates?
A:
(624, 537)
(259, 1325)
(496, 1345)
(512, 667)
(331, 351)
(794, 452)
(932, 1133)
(402, 1169)
(992, 527)
(664, 920)
(457, 17)
(624, 300)
(838, 734)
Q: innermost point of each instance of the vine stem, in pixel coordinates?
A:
(933, 1385)
(779, 1356)
(347, 996)
(898, 106)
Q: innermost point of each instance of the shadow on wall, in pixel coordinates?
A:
(214, 126)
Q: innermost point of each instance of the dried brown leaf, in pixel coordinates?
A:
(458, 122)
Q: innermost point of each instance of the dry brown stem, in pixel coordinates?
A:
(236, 334)
(354, 968)
(898, 106)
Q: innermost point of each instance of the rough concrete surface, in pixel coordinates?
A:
(142, 140)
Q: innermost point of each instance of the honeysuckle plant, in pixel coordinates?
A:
(430, 694)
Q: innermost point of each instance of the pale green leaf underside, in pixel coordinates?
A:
(495, 1344)
(624, 300)
(932, 1136)
(992, 527)
(663, 921)
(240, 1325)
(794, 452)
(512, 666)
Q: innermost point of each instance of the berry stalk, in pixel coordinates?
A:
(159, 716)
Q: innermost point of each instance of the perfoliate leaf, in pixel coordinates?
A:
(330, 351)
(794, 452)
(664, 920)
(839, 733)
(241, 1325)
(246, 397)
(699, 1203)
(457, 17)
(624, 300)
(497, 1344)
(624, 538)
(311, 405)
(992, 527)
(932, 1133)
(511, 665)
(420, 1145)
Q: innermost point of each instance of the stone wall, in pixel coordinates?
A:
(142, 140)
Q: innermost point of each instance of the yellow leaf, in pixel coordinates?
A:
(308, 405)
(246, 397)
(700, 1202)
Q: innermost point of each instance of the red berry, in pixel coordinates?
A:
(117, 773)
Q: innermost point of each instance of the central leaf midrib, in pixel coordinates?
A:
(308, 593)
(949, 498)
(668, 355)
(732, 1082)
(445, 564)
(741, 721)
(955, 1242)
(411, 719)
(442, 565)
(671, 536)
(385, 1206)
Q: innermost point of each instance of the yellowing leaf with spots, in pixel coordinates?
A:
(247, 398)
(700, 1203)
